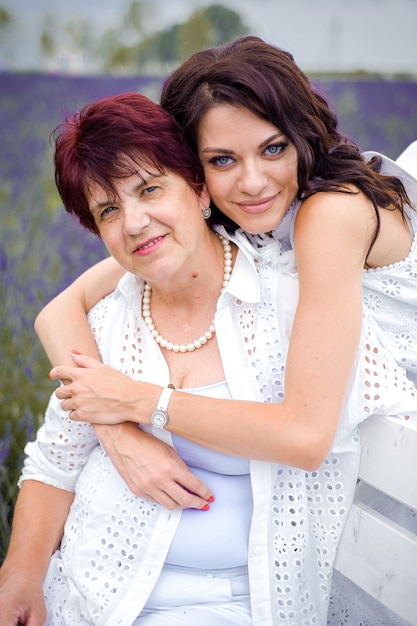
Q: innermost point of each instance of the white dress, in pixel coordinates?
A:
(390, 292)
(390, 298)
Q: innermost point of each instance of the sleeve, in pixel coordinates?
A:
(60, 450)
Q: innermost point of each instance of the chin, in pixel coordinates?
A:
(258, 227)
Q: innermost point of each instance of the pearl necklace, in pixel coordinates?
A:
(201, 341)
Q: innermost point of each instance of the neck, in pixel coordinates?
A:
(199, 278)
(185, 318)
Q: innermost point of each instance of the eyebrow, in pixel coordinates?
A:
(263, 144)
(96, 206)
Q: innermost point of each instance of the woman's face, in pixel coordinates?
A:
(154, 226)
(250, 167)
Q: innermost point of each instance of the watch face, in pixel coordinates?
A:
(159, 418)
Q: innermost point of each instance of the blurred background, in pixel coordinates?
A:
(57, 55)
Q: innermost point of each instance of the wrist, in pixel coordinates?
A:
(160, 417)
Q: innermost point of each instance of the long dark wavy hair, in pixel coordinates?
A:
(251, 73)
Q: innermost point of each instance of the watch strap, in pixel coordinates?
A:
(165, 397)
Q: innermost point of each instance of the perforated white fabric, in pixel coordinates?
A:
(390, 292)
(390, 299)
(115, 543)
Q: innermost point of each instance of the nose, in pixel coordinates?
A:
(135, 219)
(253, 178)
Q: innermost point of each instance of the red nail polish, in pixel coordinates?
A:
(205, 508)
(211, 499)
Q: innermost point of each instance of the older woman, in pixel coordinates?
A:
(192, 316)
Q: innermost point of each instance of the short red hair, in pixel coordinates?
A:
(99, 144)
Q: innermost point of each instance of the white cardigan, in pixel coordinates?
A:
(115, 543)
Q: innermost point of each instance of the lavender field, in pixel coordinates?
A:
(42, 249)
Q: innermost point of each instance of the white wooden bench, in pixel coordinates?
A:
(376, 553)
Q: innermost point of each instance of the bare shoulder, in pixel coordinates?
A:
(349, 206)
(337, 222)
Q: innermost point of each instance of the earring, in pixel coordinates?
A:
(206, 212)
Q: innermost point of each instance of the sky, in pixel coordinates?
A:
(323, 35)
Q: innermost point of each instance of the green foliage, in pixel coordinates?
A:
(47, 40)
(211, 26)
(195, 34)
(226, 24)
(160, 52)
(5, 18)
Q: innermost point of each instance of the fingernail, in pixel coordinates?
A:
(205, 508)
(211, 499)
(75, 352)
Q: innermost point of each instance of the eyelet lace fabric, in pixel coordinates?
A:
(115, 543)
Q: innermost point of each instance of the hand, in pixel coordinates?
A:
(21, 601)
(99, 394)
(152, 469)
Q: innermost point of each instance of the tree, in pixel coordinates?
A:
(5, 19)
(226, 24)
(196, 33)
(6, 36)
(47, 40)
(204, 28)
(128, 49)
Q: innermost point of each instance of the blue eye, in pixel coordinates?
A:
(149, 190)
(221, 161)
(275, 148)
(107, 211)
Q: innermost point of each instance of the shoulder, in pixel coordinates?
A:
(348, 205)
(335, 220)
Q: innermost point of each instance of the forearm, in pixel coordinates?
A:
(262, 431)
(297, 431)
(62, 324)
(38, 523)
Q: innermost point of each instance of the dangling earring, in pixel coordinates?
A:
(206, 212)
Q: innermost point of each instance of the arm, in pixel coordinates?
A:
(151, 468)
(65, 315)
(333, 233)
(38, 523)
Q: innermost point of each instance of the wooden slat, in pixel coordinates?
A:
(389, 457)
(376, 553)
(380, 557)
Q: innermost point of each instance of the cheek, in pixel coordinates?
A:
(287, 176)
(219, 187)
(110, 239)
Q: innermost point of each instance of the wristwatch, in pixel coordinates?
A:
(159, 417)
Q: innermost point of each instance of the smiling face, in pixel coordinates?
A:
(250, 167)
(154, 226)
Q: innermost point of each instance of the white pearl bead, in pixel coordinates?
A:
(201, 341)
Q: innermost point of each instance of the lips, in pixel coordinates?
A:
(148, 245)
(258, 206)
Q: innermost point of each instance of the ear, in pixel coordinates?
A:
(204, 197)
